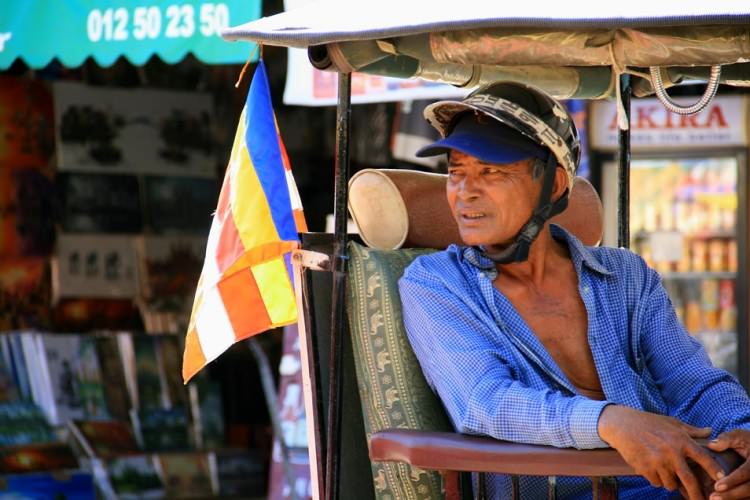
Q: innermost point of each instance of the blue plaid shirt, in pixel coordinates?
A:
(495, 377)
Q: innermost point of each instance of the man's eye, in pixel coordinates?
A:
(454, 174)
(492, 171)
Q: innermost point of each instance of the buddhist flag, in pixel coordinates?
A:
(246, 283)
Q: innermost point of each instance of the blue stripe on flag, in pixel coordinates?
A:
(289, 266)
(263, 146)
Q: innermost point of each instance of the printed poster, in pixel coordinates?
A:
(95, 266)
(107, 130)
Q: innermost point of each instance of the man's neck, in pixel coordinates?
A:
(544, 254)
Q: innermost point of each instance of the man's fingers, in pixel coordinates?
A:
(741, 491)
(697, 432)
(705, 461)
(690, 483)
(739, 476)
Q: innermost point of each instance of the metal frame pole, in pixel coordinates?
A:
(623, 195)
(341, 180)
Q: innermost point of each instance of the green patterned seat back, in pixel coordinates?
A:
(393, 391)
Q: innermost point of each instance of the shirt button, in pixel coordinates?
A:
(481, 276)
(586, 289)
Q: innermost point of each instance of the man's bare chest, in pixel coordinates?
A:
(560, 323)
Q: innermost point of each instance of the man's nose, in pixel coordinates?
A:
(469, 187)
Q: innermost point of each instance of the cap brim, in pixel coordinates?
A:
(494, 148)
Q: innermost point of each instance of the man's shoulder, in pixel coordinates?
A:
(434, 265)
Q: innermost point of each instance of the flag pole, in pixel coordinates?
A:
(341, 179)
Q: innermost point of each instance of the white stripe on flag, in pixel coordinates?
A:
(215, 332)
(210, 274)
(293, 193)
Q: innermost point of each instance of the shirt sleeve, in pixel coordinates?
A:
(477, 382)
(695, 391)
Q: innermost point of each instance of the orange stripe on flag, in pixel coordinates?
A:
(244, 304)
(193, 359)
(261, 254)
(299, 220)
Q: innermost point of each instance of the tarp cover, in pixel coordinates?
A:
(340, 20)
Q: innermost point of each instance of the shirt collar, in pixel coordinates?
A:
(579, 253)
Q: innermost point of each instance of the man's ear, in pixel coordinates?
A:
(561, 183)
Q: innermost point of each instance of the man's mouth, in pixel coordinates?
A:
(472, 215)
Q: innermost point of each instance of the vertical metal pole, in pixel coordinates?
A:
(623, 199)
(341, 179)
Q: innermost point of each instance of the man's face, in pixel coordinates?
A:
(490, 202)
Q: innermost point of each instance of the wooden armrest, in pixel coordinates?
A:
(459, 452)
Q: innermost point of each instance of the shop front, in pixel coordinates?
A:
(688, 212)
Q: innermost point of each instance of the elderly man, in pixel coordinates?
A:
(526, 335)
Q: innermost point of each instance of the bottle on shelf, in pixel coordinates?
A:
(698, 254)
(732, 255)
(710, 304)
(727, 306)
(717, 255)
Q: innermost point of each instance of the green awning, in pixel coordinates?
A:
(72, 30)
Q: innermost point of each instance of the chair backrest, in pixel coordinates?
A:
(409, 209)
(394, 209)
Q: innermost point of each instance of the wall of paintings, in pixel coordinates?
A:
(106, 198)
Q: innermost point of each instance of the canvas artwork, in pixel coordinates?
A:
(37, 457)
(210, 411)
(95, 266)
(9, 390)
(77, 485)
(87, 314)
(74, 377)
(23, 423)
(105, 438)
(149, 379)
(164, 429)
(241, 474)
(180, 205)
(97, 203)
(171, 268)
(13, 353)
(113, 376)
(134, 477)
(120, 131)
(27, 137)
(186, 475)
(25, 293)
(170, 358)
(27, 214)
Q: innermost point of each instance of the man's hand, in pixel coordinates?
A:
(736, 484)
(658, 448)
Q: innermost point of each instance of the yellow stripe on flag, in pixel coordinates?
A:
(250, 210)
(276, 290)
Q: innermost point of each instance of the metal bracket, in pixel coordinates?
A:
(316, 261)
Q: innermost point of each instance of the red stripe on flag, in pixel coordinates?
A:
(244, 304)
(282, 148)
(223, 207)
(229, 247)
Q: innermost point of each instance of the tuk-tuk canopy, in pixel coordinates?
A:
(570, 50)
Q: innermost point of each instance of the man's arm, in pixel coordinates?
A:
(695, 392)
(474, 375)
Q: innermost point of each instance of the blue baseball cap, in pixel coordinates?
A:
(486, 139)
